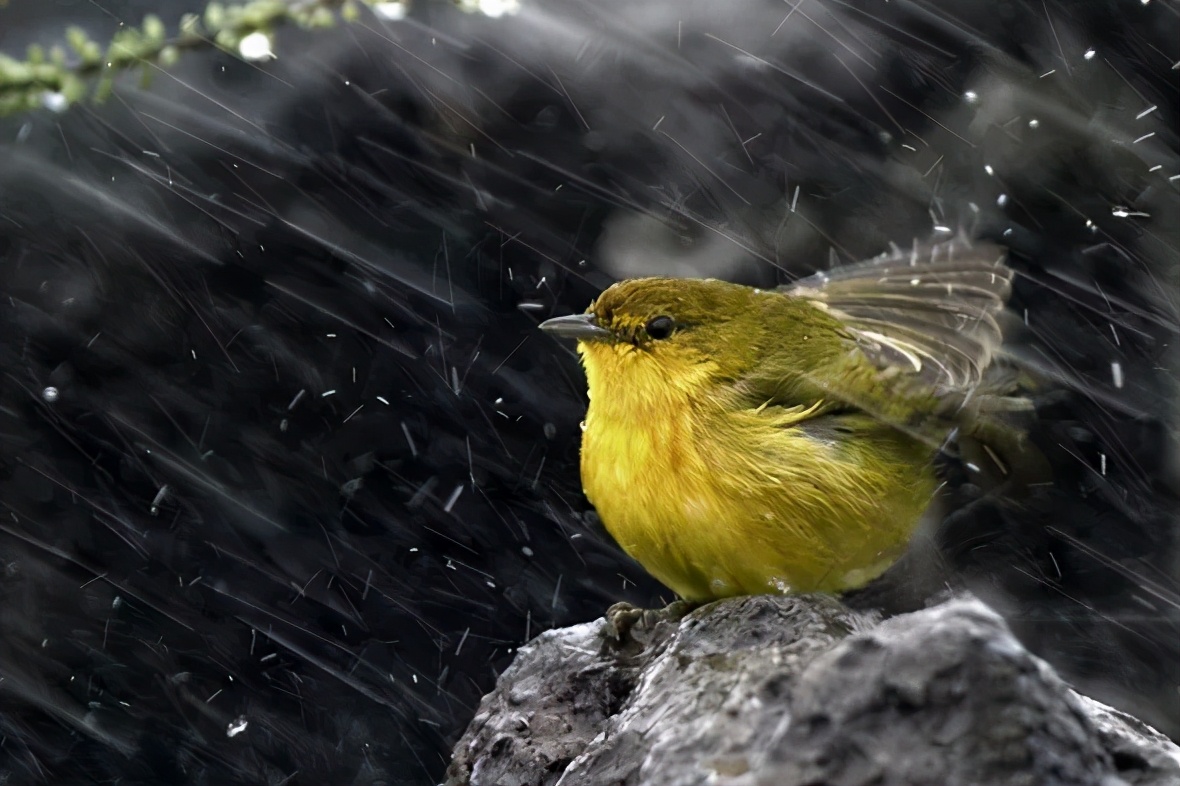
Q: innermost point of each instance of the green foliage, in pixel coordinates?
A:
(61, 76)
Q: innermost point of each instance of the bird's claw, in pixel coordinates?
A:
(623, 618)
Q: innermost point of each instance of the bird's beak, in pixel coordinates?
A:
(583, 327)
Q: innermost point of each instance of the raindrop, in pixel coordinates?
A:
(256, 46)
(390, 11)
(161, 495)
(54, 101)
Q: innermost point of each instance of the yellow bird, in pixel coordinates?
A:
(747, 441)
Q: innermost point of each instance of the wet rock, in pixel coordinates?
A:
(795, 691)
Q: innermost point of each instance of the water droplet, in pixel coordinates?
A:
(236, 727)
(54, 101)
(390, 11)
(256, 46)
(779, 585)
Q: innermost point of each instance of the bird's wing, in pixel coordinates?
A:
(930, 312)
(921, 331)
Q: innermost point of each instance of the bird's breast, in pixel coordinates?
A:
(625, 456)
(716, 503)
(649, 482)
(640, 444)
(715, 499)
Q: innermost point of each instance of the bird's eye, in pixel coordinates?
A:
(660, 327)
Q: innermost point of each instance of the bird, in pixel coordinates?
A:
(741, 440)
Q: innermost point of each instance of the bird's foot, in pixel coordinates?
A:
(624, 619)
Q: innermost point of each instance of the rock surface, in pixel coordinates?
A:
(800, 691)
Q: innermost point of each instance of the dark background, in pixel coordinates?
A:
(308, 465)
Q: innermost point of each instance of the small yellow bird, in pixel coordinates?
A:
(747, 441)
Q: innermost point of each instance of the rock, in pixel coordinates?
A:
(800, 691)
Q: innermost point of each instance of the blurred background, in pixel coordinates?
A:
(286, 471)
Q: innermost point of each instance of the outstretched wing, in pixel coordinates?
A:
(915, 335)
(929, 312)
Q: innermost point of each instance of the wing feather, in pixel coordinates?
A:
(929, 311)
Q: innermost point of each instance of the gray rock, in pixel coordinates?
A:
(800, 691)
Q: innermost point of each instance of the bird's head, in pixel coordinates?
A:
(655, 337)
